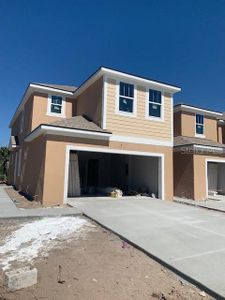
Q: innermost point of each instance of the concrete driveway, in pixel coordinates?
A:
(189, 240)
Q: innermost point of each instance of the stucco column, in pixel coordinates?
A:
(199, 177)
(54, 175)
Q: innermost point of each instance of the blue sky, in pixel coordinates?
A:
(179, 42)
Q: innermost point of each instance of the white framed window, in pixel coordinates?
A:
(155, 105)
(56, 105)
(199, 125)
(126, 99)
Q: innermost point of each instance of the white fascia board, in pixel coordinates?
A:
(45, 129)
(35, 88)
(139, 80)
(193, 109)
(219, 149)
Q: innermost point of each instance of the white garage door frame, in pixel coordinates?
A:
(161, 164)
(208, 160)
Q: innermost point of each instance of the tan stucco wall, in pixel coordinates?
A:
(187, 127)
(30, 180)
(89, 103)
(137, 126)
(177, 124)
(190, 175)
(40, 106)
(53, 191)
(183, 175)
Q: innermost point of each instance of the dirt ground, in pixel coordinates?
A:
(20, 200)
(99, 266)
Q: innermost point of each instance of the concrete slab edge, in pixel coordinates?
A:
(191, 280)
(200, 206)
(39, 216)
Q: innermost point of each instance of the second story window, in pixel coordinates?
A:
(155, 104)
(56, 104)
(126, 97)
(199, 124)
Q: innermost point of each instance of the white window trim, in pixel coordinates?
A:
(198, 134)
(152, 118)
(49, 113)
(123, 113)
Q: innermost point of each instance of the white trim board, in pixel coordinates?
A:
(114, 151)
(45, 129)
(143, 141)
(104, 101)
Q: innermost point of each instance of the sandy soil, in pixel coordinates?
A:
(99, 266)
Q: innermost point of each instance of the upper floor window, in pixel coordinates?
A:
(155, 104)
(199, 124)
(55, 105)
(126, 97)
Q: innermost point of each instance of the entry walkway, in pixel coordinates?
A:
(9, 210)
(187, 239)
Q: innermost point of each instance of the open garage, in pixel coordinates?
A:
(215, 178)
(94, 173)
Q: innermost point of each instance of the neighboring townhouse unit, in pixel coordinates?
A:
(115, 130)
(199, 152)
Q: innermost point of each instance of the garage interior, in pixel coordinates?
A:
(94, 174)
(216, 179)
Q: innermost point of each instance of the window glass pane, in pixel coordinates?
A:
(122, 88)
(155, 96)
(155, 110)
(56, 108)
(126, 89)
(199, 129)
(57, 100)
(199, 119)
(126, 105)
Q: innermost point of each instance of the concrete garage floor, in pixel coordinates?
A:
(188, 239)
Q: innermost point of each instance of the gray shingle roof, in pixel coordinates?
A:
(79, 122)
(187, 141)
(68, 88)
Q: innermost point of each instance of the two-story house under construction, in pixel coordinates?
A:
(199, 153)
(114, 130)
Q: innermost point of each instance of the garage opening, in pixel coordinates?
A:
(99, 174)
(216, 179)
